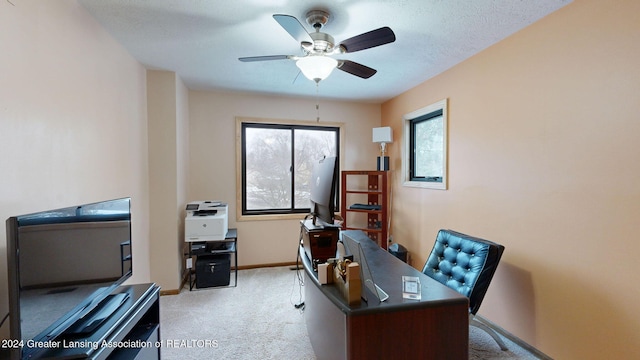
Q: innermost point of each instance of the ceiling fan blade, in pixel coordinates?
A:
(373, 38)
(264, 58)
(293, 27)
(356, 69)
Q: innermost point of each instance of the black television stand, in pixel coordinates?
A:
(135, 320)
(92, 320)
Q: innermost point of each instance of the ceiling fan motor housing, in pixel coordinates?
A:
(322, 42)
(317, 18)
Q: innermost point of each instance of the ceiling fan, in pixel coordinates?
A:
(317, 62)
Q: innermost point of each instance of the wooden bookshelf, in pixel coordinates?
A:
(365, 203)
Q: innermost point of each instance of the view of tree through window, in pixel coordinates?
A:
(277, 165)
(427, 133)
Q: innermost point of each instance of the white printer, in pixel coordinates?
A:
(206, 221)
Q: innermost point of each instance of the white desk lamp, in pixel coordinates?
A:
(383, 135)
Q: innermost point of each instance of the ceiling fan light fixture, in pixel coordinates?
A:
(316, 67)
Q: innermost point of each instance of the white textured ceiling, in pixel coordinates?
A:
(201, 40)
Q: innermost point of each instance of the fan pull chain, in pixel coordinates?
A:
(317, 103)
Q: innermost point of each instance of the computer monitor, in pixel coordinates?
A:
(324, 185)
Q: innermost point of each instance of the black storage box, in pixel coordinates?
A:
(213, 270)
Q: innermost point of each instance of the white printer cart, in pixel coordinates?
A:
(214, 247)
(206, 234)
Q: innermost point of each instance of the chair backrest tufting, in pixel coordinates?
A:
(464, 263)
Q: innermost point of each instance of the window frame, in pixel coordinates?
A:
(275, 214)
(410, 120)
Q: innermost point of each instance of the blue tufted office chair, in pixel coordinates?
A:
(465, 264)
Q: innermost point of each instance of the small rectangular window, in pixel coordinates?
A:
(425, 159)
(427, 147)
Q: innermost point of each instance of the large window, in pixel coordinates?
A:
(426, 147)
(276, 163)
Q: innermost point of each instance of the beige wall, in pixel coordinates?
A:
(72, 120)
(182, 150)
(543, 158)
(167, 104)
(213, 158)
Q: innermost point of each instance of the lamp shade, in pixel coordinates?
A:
(383, 135)
(316, 67)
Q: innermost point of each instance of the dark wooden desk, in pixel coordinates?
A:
(436, 327)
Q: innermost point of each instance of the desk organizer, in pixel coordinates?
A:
(350, 285)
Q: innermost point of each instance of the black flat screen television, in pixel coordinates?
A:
(63, 265)
(324, 186)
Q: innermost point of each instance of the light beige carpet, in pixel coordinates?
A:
(258, 320)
